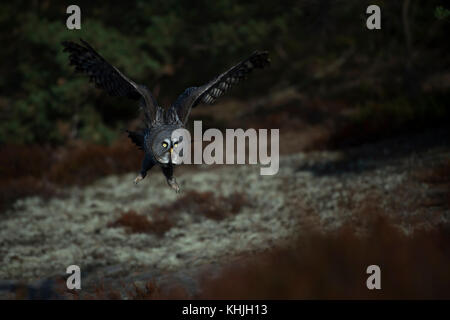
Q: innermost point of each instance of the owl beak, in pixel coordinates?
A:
(171, 150)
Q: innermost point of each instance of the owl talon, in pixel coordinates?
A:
(138, 179)
(173, 184)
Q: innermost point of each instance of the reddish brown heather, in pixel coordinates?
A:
(137, 223)
(332, 265)
(438, 179)
(163, 218)
(207, 204)
(42, 171)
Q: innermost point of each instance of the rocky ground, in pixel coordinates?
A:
(40, 238)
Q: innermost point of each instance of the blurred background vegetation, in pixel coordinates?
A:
(398, 75)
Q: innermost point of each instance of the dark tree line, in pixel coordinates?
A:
(317, 47)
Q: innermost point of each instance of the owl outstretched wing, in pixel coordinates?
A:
(107, 77)
(214, 89)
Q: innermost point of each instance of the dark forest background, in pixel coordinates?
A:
(318, 48)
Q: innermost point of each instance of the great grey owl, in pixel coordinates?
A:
(156, 139)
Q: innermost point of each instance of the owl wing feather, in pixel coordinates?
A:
(107, 77)
(214, 89)
(137, 138)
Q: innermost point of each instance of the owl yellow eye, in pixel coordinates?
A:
(175, 144)
(164, 145)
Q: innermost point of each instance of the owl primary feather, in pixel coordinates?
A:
(156, 138)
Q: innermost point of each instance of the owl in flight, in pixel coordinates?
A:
(156, 138)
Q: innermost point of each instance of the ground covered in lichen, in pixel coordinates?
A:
(118, 232)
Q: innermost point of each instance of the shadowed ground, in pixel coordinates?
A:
(122, 233)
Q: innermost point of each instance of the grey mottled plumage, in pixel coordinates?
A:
(155, 140)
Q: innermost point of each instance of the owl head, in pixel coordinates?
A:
(164, 146)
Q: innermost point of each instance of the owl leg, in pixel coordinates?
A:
(147, 164)
(168, 173)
